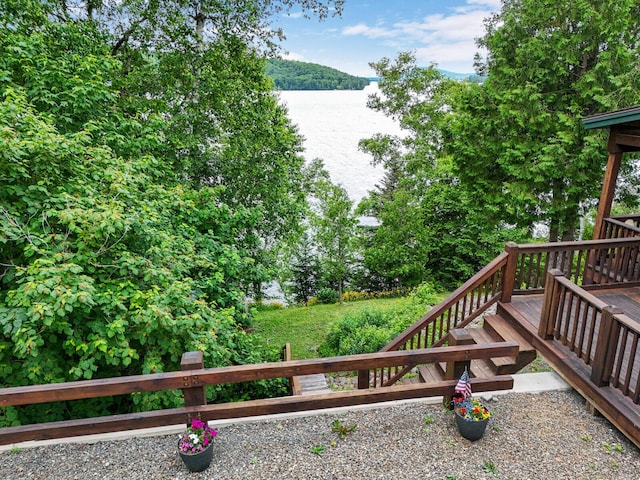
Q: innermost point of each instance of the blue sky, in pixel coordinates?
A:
(437, 31)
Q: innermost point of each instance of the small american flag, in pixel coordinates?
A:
(464, 387)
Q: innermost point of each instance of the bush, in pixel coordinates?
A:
(368, 331)
(352, 296)
(362, 332)
(327, 296)
(265, 307)
(426, 293)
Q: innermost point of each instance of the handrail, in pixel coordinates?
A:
(609, 262)
(453, 300)
(598, 334)
(459, 309)
(617, 227)
(198, 378)
(104, 387)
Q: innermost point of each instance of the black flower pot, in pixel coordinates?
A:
(197, 462)
(471, 430)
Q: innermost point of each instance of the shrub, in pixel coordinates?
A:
(265, 307)
(368, 331)
(327, 296)
(426, 293)
(361, 332)
(351, 296)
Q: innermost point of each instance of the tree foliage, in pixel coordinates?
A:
(518, 136)
(334, 226)
(430, 228)
(292, 75)
(481, 162)
(121, 247)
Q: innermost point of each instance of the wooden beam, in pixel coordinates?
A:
(245, 373)
(626, 140)
(116, 423)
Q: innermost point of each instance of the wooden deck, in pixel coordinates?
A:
(574, 363)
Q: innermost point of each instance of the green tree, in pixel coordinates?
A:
(108, 265)
(334, 226)
(305, 269)
(198, 65)
(431, 228)
(517, 138)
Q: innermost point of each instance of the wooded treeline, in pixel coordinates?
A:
(482, 162)
(149, 181)
(293, 75)
(152, 183)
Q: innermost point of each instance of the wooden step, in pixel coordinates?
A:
(499, 328)
(483, 335)
(430, 373)
(496, 324)
(313, 384)
(482, 369)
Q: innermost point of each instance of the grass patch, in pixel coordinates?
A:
(306, 327)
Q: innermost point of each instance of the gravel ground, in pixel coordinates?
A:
(530, 436)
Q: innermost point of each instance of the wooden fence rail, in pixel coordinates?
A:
(196, 379)
(611, 262)
(620, 227)
(459, 309)
(600, 335)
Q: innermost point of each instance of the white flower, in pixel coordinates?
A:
(194, 438)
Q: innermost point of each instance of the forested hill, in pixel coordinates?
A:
(292, 75)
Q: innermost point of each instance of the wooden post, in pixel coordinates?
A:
(193, 391)
(605, 352)
(363, 379)
(457, 336)
(509, 272)
(549, 304)
(608, 185)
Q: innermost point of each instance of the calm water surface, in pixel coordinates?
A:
(332, 122)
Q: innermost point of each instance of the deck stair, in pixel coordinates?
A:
(313, 384)
(495, 328)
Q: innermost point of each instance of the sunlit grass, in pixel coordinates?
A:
(306, 327)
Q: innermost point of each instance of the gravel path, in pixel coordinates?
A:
(530, 436)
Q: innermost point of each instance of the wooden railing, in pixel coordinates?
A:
(193, 379)
(294, 382)
(620, 226)
(519, 270)
(591, 262)
(456, 311)
(570, 315)
(599, 334)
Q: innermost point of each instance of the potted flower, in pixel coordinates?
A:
(471, 417)
(196, 445)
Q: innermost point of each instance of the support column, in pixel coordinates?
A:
(608, 184)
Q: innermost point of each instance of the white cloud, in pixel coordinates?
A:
(369, 32)
(293, 56)
(492, 4)
(447, 39)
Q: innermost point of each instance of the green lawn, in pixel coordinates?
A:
(305, 327)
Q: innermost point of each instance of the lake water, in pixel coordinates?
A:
(332, 122)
